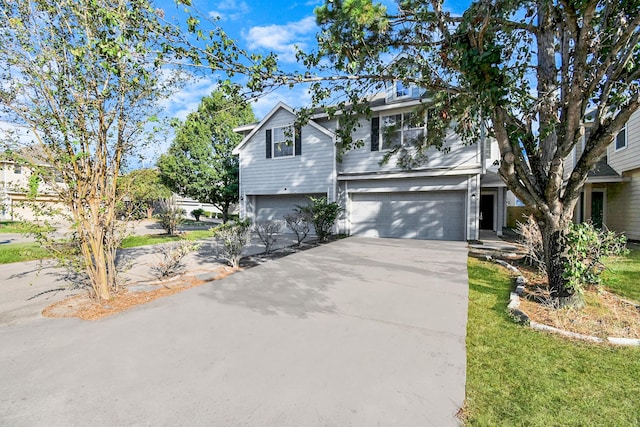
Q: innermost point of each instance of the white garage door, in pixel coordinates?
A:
(436, 215)
(275, 207)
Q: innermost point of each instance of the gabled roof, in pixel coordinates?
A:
(279, 106)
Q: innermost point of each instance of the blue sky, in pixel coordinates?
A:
(260, 27)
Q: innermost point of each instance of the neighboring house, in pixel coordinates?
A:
(14, 185)
(441, 199)
(611, 195)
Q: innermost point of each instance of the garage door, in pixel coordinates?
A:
(275, 207)
(437, 215)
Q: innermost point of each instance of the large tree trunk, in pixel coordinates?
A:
(554, 231)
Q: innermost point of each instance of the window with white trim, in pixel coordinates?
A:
(282, 140)
(17, 169)
(401, 129)
(621, 139)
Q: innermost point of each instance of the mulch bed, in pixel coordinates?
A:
(604, 315)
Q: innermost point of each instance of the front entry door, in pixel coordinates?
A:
(597, 208)
(486, 211)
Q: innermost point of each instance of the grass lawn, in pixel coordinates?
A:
(520, 377)
(622, 275)
(17, 252)
(16, 227)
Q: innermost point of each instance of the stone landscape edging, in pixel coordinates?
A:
(522, 317)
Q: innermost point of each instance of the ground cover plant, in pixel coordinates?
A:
(518, 376)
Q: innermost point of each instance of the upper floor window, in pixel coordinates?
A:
(17, 169)
(401, 129)
(283, 141)
(400, 90)
(621, 139)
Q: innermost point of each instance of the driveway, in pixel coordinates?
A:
(359, 332)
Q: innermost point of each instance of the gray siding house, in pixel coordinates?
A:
(439, 200)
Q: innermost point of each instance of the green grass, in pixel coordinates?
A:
(622, 275)
(18, 227)
(17, 252)
(154, 239)
(520, 377)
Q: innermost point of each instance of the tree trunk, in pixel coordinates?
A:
(554, 231)
(150, 211)
(225, 212)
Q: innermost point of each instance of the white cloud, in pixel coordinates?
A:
(181, 103)
(282, 39)
(297, 97)
(229, 10)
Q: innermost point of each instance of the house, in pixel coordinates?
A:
(611, 194)
(15, 184)
(280, 167)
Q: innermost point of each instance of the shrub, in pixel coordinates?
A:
(170, 216)
(233, 237)
(587, 246)
(322, 215)
(531, 239)
(197, 213)
(300, 223)
(267, 231)
(172, 257)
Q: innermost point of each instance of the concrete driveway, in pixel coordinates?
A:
(359, 332)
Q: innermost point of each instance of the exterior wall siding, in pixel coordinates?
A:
(311, 172)
(628, 158)
(362, 160)
(623, 206)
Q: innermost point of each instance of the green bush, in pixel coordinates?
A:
(233, 237)
(197, 213)
(170, 216)
(322, 215)
(587, 246)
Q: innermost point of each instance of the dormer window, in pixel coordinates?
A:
(400, 90)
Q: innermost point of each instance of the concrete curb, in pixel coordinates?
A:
(521, 317)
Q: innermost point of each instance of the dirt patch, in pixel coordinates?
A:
(604, 315)
(86, 308)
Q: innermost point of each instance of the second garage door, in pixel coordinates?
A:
(436, 215)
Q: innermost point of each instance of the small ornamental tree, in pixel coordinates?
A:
(322, 214)
(233, 237)
(170, 216)
(300, 223)
(267, 232)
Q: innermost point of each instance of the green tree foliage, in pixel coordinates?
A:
(531, 71)
(322, 214)
(199, 163)
(85, 77)
(141, 189)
